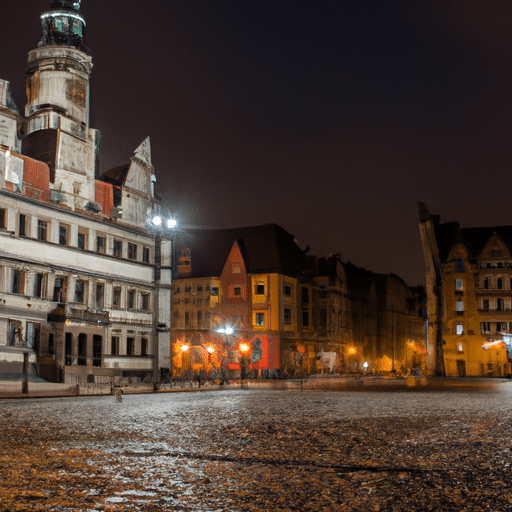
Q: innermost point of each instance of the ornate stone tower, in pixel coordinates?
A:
(57, 108)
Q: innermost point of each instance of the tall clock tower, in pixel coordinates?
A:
(57, 108)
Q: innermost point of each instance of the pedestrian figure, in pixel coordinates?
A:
(118, 393)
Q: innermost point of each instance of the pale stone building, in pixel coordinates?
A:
(84, 278)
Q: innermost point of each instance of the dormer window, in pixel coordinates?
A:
(459, 265)
(496, 253)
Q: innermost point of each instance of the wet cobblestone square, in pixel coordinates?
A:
(259, 450)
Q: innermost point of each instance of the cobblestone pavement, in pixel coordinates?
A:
(256, 450)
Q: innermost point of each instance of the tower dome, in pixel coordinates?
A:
(62, 24)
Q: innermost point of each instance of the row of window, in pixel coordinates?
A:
(37, 284)
(497, 283)
(487, 328)
(134, 252)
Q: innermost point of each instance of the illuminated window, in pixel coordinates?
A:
(459, 265)
(459, 329)
(459, 306)
(260, 319)
(460, 347)
(459, 285)
(236, 268)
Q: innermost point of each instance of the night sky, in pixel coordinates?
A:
(329, 118)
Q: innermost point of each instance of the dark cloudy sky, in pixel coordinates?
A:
(330, 118)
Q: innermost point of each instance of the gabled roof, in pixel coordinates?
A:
(266, 249)
(116, 176)
(474, 239)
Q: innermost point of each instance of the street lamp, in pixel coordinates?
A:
(244, 349)
(158, 225)
(226, 331)
(210, 351)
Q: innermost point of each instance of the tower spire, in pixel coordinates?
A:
(63, 24)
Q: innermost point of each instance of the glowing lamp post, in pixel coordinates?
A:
(210, 351)
(244, 349)
(158, 225)
(184, 353)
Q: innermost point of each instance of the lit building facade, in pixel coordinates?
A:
(469, 297)
(84, 282)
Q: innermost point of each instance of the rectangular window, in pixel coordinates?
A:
(130, 346)
(144, 346)
(38, 285)
(500, 304)
(131, 299)
(115, 346)
(58, 289)
(82, 349)
(132, 251)
(485, 283)
(495, 253)
(145, 254)
(214, 291)
(459, 265)
(51, 344)
(116, 297)
(42, 230)
(259, 289)
(485, 304)
(118, 248)
(500, 326)
(459, 285)
(33, 333)
(100, 295)
(237, 291)
(63, 235)
(199, 319)
(145, 301)
(79, 290)
(260, 319)
(13, 333)
(81, 240)
(459, 329)
(305, 318)
(17, 281)
(69, 348)
(23, 225)
(101, 243)
(305, 295)
(459, 306)
(187, 319)
(287, 316)
(287, 290)
(3, 218)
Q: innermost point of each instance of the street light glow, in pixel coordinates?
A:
(210, 349)
(185, 347)
(156, 220)
(244, 347)
(172, 223)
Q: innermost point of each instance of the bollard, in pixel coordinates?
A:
(24, 384)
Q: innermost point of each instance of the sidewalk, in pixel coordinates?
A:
(13, 389)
